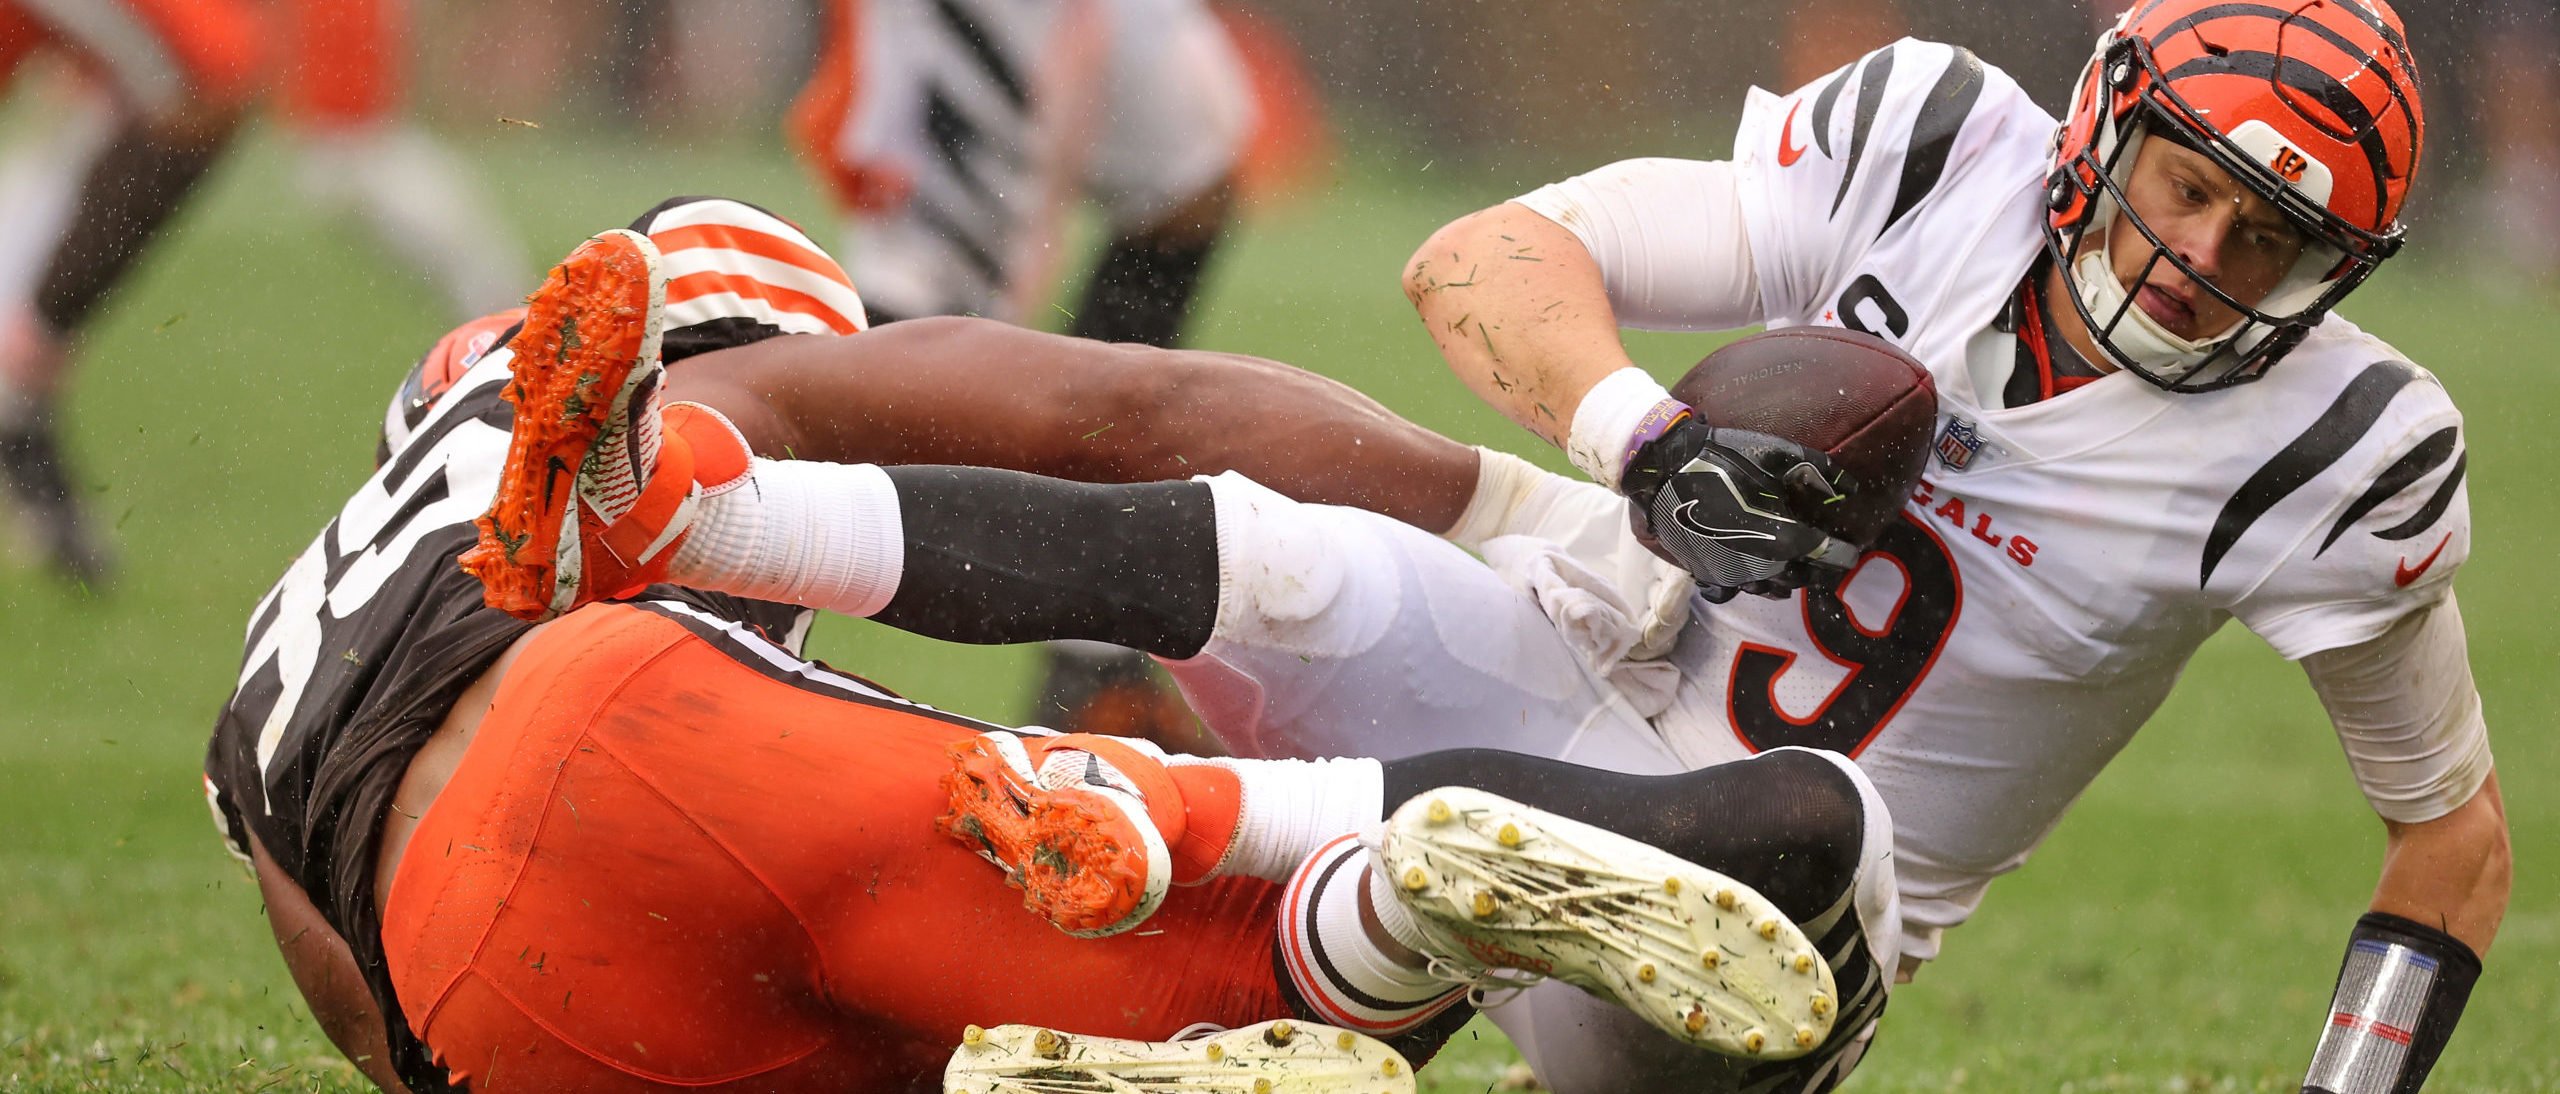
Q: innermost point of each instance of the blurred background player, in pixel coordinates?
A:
(2516, 206)
(182, 73)
(341, 97)
(957, 135)
(342, 74)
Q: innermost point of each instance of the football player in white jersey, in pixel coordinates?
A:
(956, 137)
(2152, 422)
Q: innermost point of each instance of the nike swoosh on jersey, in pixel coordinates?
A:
(1789, 153)
(2403, 574)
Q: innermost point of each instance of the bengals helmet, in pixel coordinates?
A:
(2310, 104)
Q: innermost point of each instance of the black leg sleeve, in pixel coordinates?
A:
(1000, 556)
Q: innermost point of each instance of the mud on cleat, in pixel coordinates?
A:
(1496, 885)
(592, 501)
(1066, 818)
(1271, 1058)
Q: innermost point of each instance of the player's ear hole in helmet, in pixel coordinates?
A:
(2310, 106)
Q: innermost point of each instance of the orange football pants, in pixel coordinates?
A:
(663, 865)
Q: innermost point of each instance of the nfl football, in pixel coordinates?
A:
(1856, 397)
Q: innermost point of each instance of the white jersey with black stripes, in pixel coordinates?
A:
(2061, 560)
(942, 107)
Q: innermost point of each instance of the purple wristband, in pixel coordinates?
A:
(1652, 426)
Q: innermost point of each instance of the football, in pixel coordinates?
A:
(1856, 397)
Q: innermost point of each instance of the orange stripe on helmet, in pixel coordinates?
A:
(750, 241)
(2334, 76)
(692, 286)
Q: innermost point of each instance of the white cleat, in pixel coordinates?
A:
(1270, 1058)
(1495, 884)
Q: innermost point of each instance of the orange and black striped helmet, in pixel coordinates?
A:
(2312, 104)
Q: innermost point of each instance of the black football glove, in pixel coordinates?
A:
(1729, 506)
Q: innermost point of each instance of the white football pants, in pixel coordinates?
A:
(1345, 633)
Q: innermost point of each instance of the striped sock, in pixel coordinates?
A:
(1338, 944)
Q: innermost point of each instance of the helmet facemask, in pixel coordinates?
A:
(2141, 105)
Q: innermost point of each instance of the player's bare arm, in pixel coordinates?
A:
(1518, 308)
(2405, 709)
(970, 391)
(2453, 872)
(324, 969)
(1525, 302)
(2408, 714)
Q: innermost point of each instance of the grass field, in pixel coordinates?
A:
(2180, 933)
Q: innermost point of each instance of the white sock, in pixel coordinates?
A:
(1342, 963)
(1394, 917)
(1292, 807)
(820, 535)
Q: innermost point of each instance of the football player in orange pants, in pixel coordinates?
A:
(648, 845)
(341, 99)
(184, 72)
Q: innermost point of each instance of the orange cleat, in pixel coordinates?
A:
(1067, 818)
(591, 504)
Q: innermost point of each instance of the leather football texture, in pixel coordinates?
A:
(1859, 399)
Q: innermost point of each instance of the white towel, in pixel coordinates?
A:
(1614, 638)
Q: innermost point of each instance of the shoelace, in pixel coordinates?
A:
(1197, 1031)
(1483, 984)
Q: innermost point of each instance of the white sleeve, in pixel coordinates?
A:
(2406, 710)
(1669, 237)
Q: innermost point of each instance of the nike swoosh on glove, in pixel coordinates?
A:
(1733, 508)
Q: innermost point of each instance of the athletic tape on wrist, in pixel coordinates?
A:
(1503, 481)
(1619, 415)
(2400, 991)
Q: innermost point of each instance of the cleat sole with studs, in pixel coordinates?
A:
(1080, 863)
(1699, 955)
(1271, 1058)
(574, 380)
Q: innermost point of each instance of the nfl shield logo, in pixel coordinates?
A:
(1957, 443)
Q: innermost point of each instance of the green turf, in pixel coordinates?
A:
(2178, 934)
